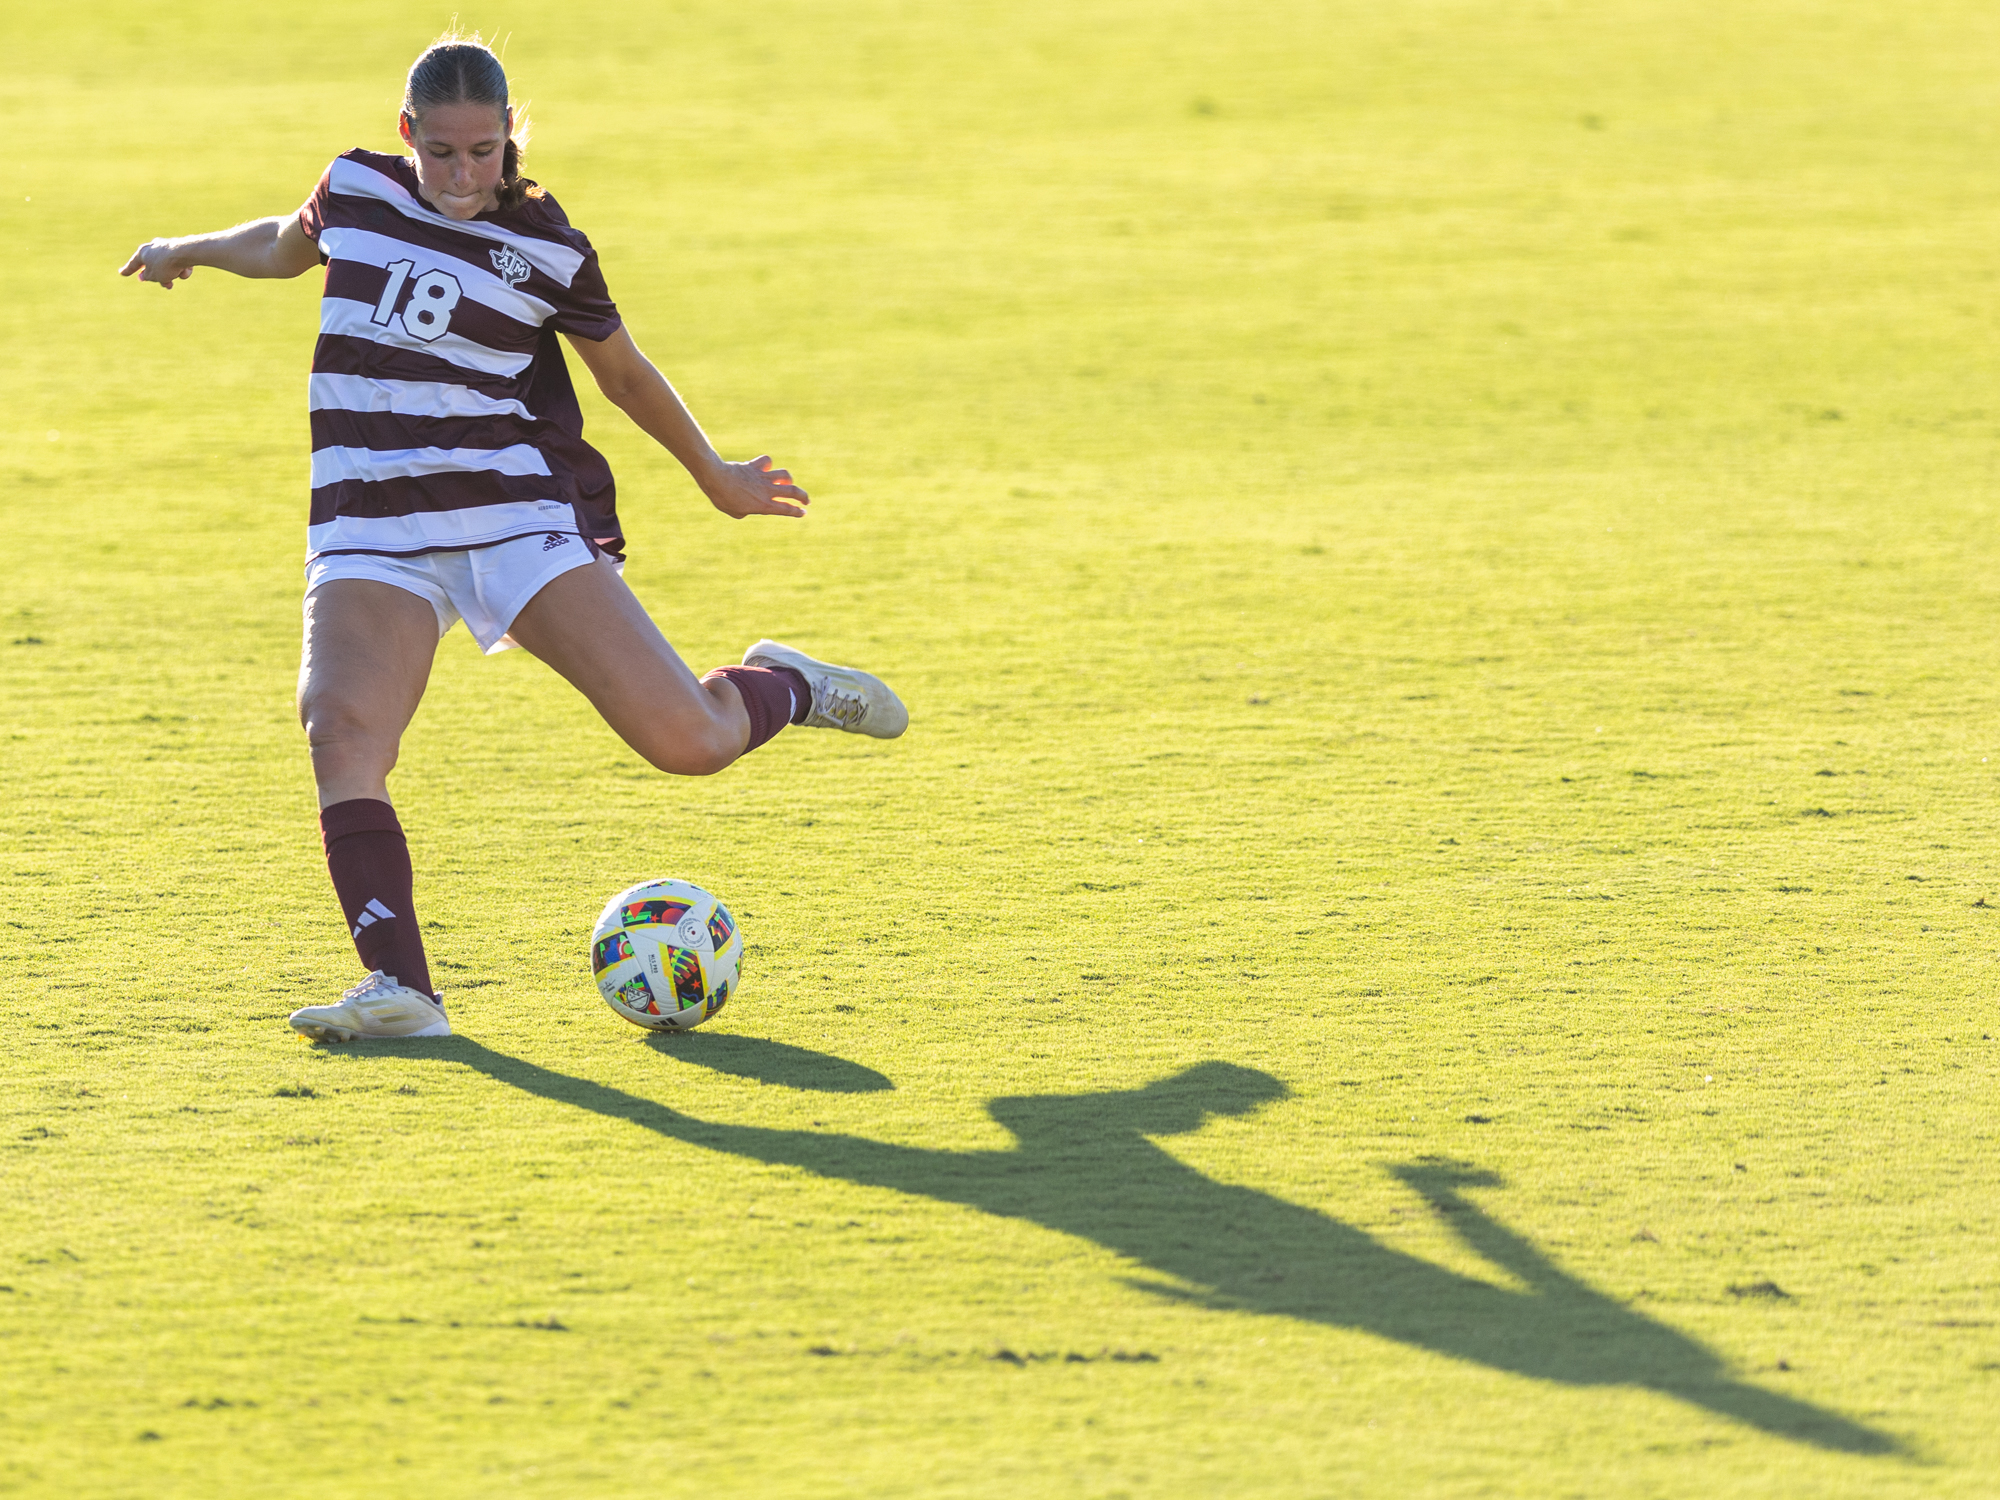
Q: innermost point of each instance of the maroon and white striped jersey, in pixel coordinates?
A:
(443, 417)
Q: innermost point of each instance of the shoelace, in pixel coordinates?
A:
(838, 704)
(362, 991)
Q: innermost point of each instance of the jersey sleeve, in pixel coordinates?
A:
(312, 213)
(585, 308)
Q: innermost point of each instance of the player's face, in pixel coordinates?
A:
(459, 152)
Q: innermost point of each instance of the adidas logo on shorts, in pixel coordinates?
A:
(554, 542)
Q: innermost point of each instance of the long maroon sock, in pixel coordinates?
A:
(772, 696)
(370, 863)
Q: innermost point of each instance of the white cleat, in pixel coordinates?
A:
(843, 697)
(378, 1006)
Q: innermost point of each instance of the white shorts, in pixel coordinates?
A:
(486, 587)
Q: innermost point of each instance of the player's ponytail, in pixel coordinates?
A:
(461, 69)
(515, 189)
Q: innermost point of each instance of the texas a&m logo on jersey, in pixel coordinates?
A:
(511, 264)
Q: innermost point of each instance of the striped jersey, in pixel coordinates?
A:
(443, 417)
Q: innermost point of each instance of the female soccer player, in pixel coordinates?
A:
(451, 481)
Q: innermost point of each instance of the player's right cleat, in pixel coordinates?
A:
(376, 1007)
(843, 697)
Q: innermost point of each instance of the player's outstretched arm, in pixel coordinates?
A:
(630, 382)
(263, 247)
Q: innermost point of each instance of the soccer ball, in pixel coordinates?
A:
(666, 955)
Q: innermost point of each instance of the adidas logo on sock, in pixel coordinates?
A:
(554, 542)
(372, 913)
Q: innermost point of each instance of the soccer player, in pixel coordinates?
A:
(451, 481)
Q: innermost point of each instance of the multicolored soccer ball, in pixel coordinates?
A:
(666, 955)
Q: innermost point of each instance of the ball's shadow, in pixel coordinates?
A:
(768, 1062)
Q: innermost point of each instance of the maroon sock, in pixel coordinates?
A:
(772, 696)
(370, 863)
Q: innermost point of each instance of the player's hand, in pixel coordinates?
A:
(163, 261)
(754, 489)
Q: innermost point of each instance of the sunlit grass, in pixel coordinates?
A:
(1433, 930)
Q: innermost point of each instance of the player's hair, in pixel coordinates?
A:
(459, 68)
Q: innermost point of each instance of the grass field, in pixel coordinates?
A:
(1434, 930)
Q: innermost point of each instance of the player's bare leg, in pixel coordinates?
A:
(588, 626)
(366, 660)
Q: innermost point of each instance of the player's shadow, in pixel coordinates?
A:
(769, 1062)
(1084, 1164)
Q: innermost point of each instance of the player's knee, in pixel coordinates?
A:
(700, 753)
(686, 760)
(340, 737)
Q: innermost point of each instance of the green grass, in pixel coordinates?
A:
(1443, 556)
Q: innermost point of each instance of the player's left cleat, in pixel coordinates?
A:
(843, 697)
(376, 1007)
